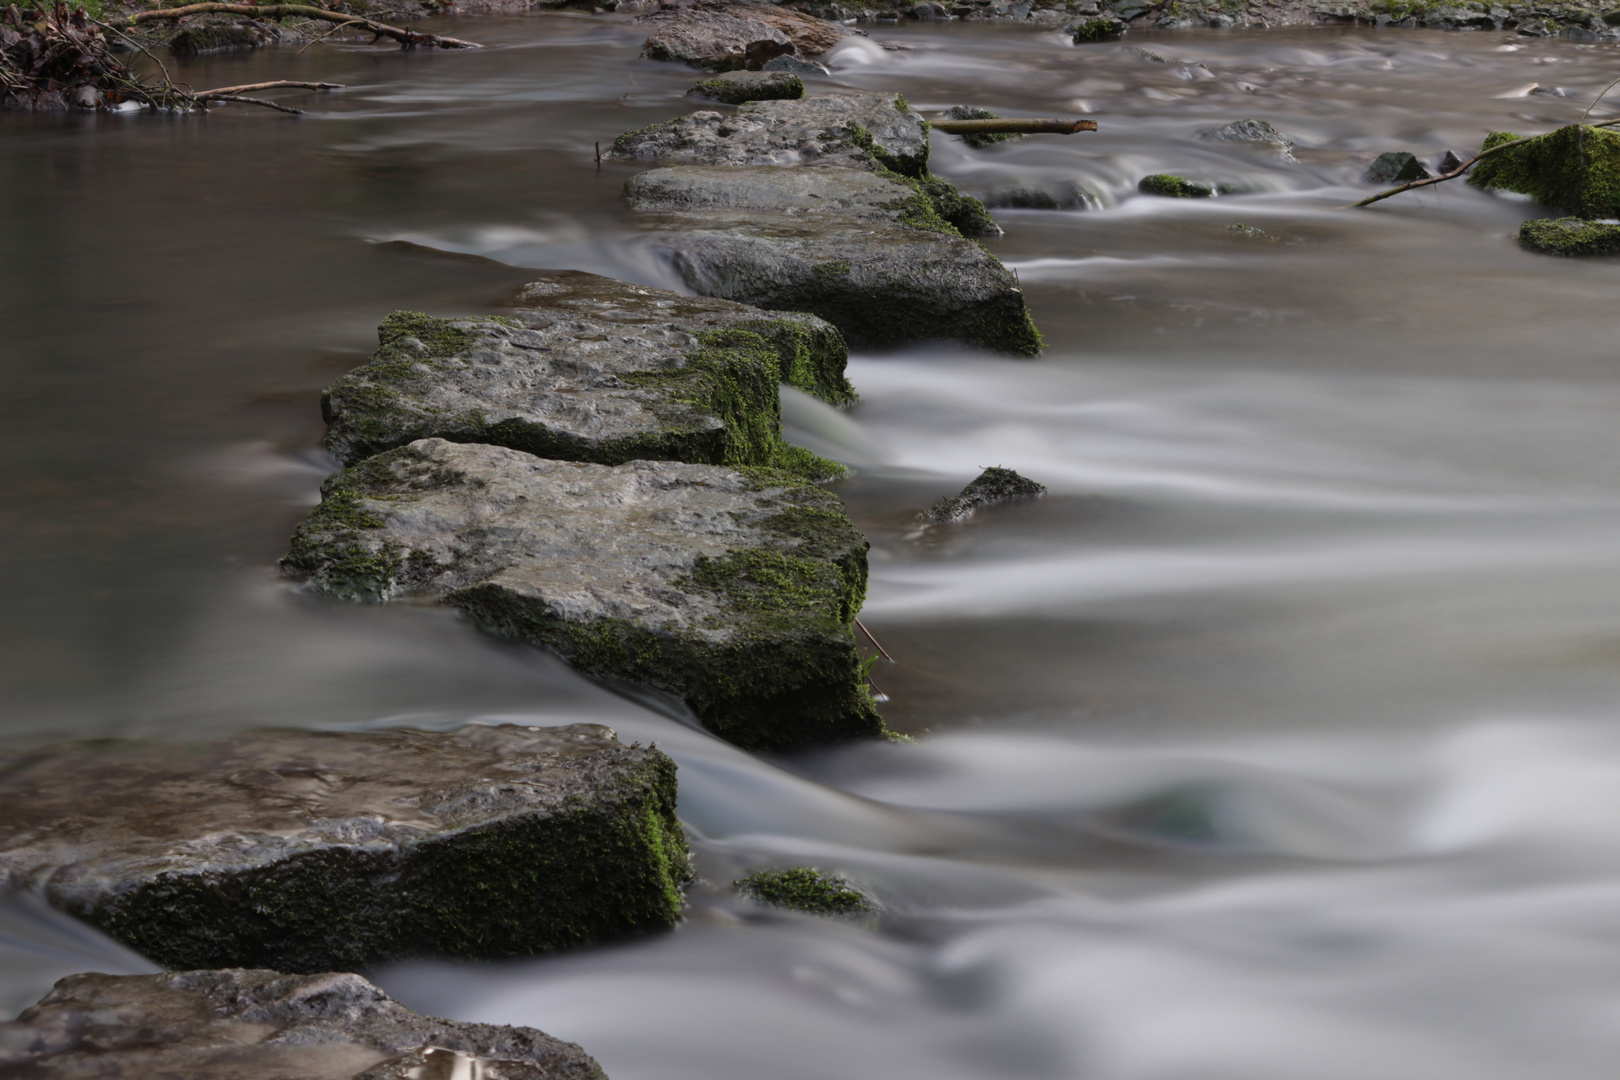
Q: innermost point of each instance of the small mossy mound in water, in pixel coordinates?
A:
(979, 140)
(994, 485)
(1575, 170)
(1103, 28)
(804, 888)
(319, 851)
(731, 590)
(1173, 187)
(1570, 236)
(737, 87)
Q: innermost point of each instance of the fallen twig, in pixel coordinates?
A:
(408, 39)
(279, 84)
(1459, 170)
(316, 41)
(1012, 127)
(881, 650)
(247, 101)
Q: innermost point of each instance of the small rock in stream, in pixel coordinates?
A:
(994, 485)
(795, 66)
(1103, 28)
(1395, 167)
(1168, 186)
(804, 888)
(237, 1024)
(732, 591)
(315, 851)
(1570, 236)
(738, 87)
(593, 369)
(868, 252)
(1257, 133)
(729, 37)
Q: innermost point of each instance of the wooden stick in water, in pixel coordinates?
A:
(1012, 127)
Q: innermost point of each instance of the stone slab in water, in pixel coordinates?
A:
(732, 591)
(312, 851)
(592, 369)
(866, 252)
(862, 130)
(729, 37)
(1570, 236)
(1574, 170)
(237, 1024)
(738, 87)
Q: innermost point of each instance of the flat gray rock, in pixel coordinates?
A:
(738, 87)
(592, 369)
(867, 252)
(731, 591)
(312, 851)
(239, 1024)
(720, 36)
(861, 130)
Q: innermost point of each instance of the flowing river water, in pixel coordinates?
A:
(1281, 741)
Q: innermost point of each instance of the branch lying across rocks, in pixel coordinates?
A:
(1459, 170)
(408, 39)
(1012, 127)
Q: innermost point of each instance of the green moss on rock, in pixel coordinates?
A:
(1103, 28)
(1167, 186)
(1569, 236)
(807, 889)
(737, 87)
(1574, 170)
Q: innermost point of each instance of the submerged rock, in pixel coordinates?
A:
(992, 486)
(795, 66)
(1103, 28)
(312, 851)
(729, 37)
(869, 253)
(217, 36)
(1173, 187)
(1575, 170)
(1570, 236)
(804, 888)
(1257, 133)
(593, 369)
(737, 87)
(980, 140)
(239, 1024)
(731, 591)
(1395, 167)
(1042, 194)
(868, 131)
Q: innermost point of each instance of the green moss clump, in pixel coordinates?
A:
(1173, 187)
(1104, 28)
(1574, 170)
(1569, 236)
(804, 888)
(354, 565)
(913, 165)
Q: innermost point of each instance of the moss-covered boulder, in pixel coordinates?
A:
(1168, 186)
(869, 252)
(870, 131)
(804, 888)
(994, 485)
(1570, 236)
(1574, 170)
(593, 369)
(236, 1024)
(732, 591)
(1100, 28)
(739, 87)
(313, 851)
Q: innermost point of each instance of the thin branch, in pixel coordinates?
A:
(138, 45)
(248, 101)
(1459, 170)
(881, 650)
(1012, 127)
(407, 38)
(329, 33)
(279, 84)
(1597, 99)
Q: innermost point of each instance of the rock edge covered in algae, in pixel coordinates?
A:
(237, 1024)
(1570, 236)
(804, 888)
(312, 851)
(732, 591)
(994, 485)
(1574, 170)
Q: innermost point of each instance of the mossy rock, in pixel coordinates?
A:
(1168, 186)
(593, 369)
(1574, 170)
(804, 888)
(980, 140)
(732, 591)
(317, 851)
(1569, 236)
(201, 38)
(869, 252)
(1395, 167)
(1102, 28)
(994, 485)
(738, 87)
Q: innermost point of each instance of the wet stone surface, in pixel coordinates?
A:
(591, 369)
(239, 1024)
(994, 485)
(738, 87)
(311, 851)
(866, 252)
(1570, 236)
(731, 37)
(732, 592)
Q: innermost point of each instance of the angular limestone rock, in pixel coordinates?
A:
(312, 851)
(738, 87)
(992, 486)
(592, 369)
(1574, 170)
(870, 131)
(867, 252)
(1395, 167)
(730, 37)
(1570, 236)
(239, 1024)
(732, 591)
(1257, 133)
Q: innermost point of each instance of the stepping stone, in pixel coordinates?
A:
(726, 37)
(313, 851)
(593, 369)
(738, 87)
(260, 1025)
(731, 591)
(868, 252)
